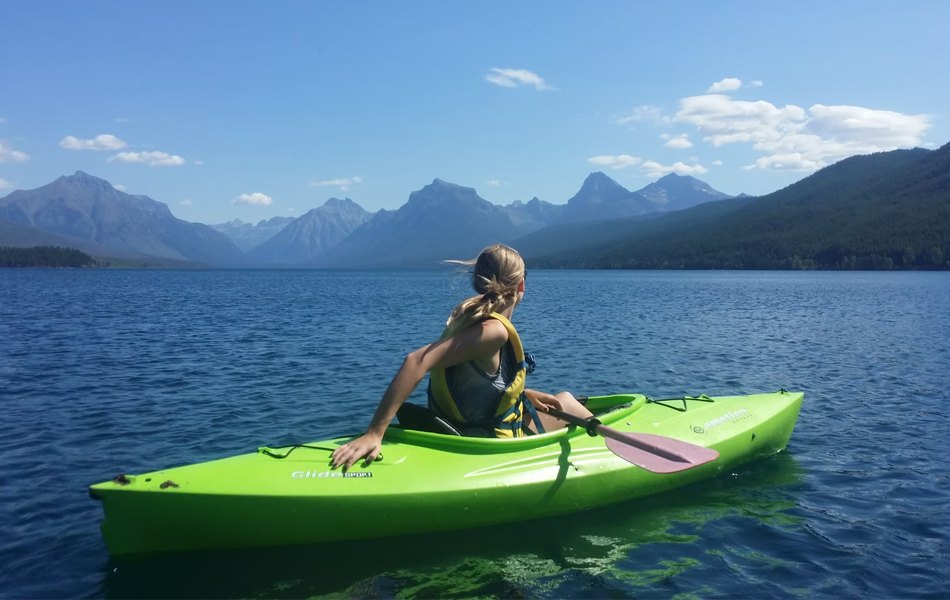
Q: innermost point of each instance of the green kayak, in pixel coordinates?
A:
(429, 481)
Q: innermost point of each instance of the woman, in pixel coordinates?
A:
(476, 368)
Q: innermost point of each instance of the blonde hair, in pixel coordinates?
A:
(497, 272)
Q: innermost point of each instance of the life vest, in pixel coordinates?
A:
(508, 419)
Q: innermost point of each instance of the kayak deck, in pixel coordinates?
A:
(428, 481)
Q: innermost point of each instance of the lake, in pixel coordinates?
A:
(110, 371)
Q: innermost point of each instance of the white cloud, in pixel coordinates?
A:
(186, 202)
(119, 186)
(255, 199)
(621, 161)
(793, 138)
(517, 77)
(9, 155)
(4, 184)
(677, 142)
(882, 128)
(727, 121)
(717, 163)
(103, 141)
(344, 183)
(655, 169)
(792, 161)
(646, 112)
(728, 84)
(494, 182)
(152, 159)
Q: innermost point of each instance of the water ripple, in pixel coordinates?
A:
(103, 372)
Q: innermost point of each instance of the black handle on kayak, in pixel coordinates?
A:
(590, 424)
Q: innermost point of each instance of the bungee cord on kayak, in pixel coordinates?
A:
(269, 451)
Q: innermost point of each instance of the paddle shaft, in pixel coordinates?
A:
(595, 427)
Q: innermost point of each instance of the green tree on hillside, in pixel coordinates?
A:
(44, 256)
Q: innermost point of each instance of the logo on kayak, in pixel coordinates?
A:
(726, 418)
(330, 474)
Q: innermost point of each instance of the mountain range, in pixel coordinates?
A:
(885, 210)
(304, 239)
(247, 236)
(82, 211)
(439, 221)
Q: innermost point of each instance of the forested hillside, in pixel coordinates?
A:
(44, 256)
(882, 211)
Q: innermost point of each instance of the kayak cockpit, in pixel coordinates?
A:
(419, 425)
(421, 418)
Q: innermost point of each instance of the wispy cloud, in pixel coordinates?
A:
(152, 159)
(344, 183)
(731, 84)
(645, 113)
(186, 202)
(794, 138)
(254, 199)
(677, 142)
(517, 77)
(4, 184)
(9, 155)
(650, 168)
(621, 161)
(655, 169)
(103, 141)
(728, 84)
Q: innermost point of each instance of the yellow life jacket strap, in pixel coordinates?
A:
(508, 420)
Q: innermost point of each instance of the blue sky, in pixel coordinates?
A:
(227, 110)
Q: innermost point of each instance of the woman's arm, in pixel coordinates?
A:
(478, 342)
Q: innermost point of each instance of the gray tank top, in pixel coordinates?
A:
(477, 393)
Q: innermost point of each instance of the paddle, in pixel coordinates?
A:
(656, 453)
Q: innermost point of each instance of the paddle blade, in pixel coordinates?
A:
(658, 453)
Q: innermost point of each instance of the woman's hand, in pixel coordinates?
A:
(543, 401)
(367, 447)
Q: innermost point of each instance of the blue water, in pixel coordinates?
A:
(109, 371)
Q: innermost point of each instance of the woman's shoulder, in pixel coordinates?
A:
(492, 330)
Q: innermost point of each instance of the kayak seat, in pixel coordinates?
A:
(421, 418)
